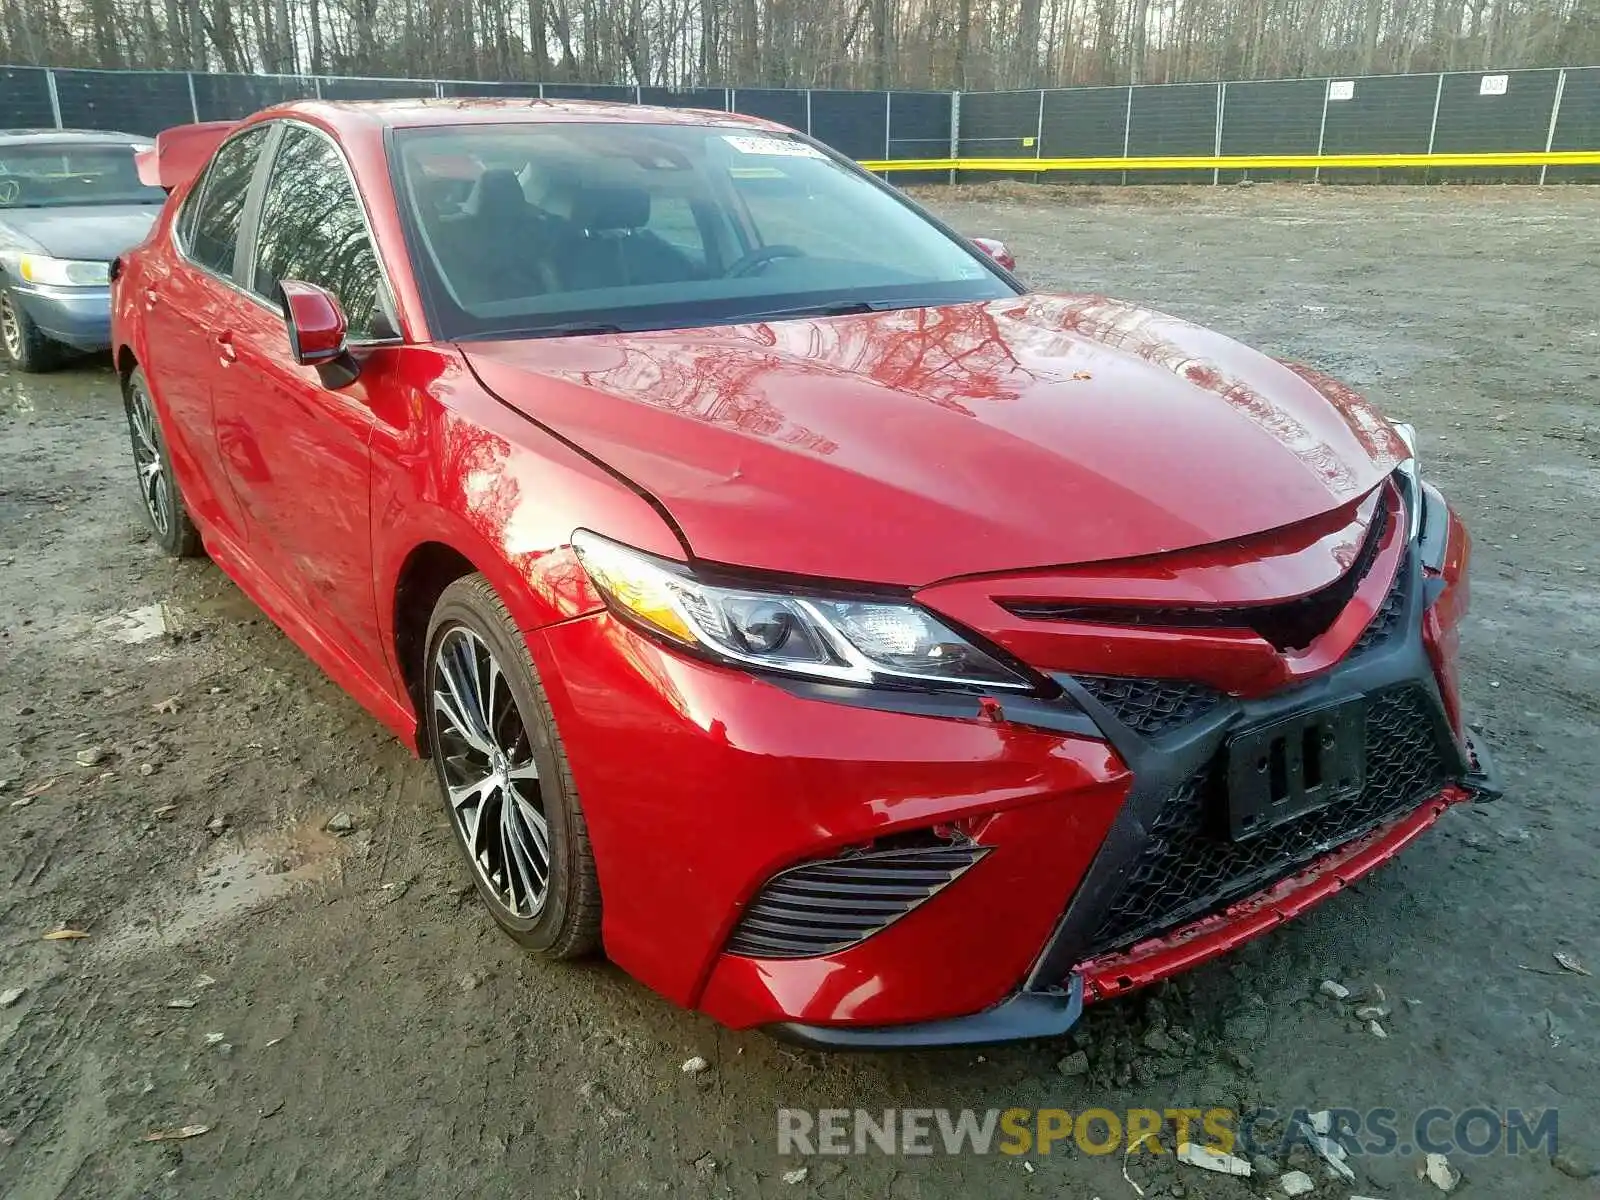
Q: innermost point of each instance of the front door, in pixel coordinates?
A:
(298, 453)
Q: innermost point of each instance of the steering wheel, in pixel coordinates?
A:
(10, 189)
(749, 264)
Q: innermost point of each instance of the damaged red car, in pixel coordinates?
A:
(845, 638)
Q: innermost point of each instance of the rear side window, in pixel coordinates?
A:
(313, 229)
(210, 223)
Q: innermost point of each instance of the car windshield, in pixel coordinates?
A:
(536, 230)
(57, 174)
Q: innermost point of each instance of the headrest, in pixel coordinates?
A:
(497, 194)
(605, 208)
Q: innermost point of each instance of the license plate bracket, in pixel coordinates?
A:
(1284, 769)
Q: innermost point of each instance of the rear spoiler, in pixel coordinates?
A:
(179, 153)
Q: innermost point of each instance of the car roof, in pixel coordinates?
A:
(21, 137)
(353, 114)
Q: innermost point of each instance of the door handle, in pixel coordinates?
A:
(225, 349)
(150, 297)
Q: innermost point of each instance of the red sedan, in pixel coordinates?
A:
(845, 638)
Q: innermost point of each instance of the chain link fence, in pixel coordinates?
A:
(1537, 125)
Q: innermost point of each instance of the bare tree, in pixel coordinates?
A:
(825, 43)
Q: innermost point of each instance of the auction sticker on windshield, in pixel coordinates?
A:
(771, 145)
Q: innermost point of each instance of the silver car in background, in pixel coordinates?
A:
(70, 202)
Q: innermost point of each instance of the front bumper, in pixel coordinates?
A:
(704, 786)
(79, 317)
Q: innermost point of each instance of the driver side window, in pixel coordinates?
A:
(313, 229)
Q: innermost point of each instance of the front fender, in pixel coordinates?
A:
(453, 466)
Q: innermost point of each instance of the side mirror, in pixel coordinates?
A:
(317, 330)
(996, 250)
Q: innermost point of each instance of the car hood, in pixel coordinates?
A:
(97, 232)
(921, 444)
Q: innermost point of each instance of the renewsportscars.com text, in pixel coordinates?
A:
(1017, 1131)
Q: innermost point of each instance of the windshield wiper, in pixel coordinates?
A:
(839, 308)
(570, 329)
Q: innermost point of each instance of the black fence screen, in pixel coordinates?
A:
(1577, 126)
(495, 91)
(612, 93)
(136, 101)
(1175, 121)
(1279, 116)
(1085, 123)
(774, 104)
(224, 97)
(1531, 123)
(713, 98)
(853, 123)
(25, 99)
(919, 127)
(376, 89)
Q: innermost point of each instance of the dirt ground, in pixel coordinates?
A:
(346, 1020)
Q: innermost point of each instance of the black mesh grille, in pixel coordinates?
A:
(1387, 619)
(829, 905)
(1151, 706)
(1189, 866)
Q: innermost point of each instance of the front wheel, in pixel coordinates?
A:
(26, 347)
(504, 777)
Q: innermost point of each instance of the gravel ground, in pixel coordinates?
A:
(346, 1021)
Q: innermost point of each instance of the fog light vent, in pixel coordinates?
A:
(828, 905)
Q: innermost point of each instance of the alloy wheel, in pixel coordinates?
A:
(487, 764)
(10, 328)
(148, 460)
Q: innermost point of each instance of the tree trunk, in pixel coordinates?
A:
(197, 35)
(1105, 40)
(747, 69)
(882, 16)
(963, 44)
(1139, 23)
(710, 43)
(538, 41)
(314, 12)
(1027, 56)
(285, 54)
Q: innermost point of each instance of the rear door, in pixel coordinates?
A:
(186, 296)
(298, 451)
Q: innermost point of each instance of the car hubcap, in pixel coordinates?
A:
(492, 781)
(147, 460)
(10, 328)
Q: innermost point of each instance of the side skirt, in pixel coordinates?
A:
(334, 660)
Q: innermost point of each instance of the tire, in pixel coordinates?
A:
(500, 800)
(26, 348)
(163, 502)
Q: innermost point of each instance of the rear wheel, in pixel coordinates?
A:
(163, 503)
(504, 777)
(26, 347)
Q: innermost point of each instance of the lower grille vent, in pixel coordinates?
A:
(831, 904)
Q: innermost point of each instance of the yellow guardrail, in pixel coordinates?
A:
(1245, 162)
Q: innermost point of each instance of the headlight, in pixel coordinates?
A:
(1410, 480)
(58, 272)
(841, 639)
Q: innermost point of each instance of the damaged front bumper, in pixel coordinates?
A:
(1052, 1011)
(1099, 950)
